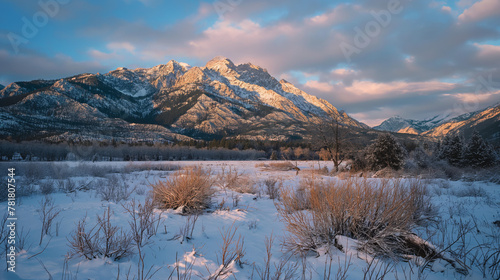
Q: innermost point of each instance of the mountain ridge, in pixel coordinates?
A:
(402, 125)
(167, 102)
(486, 121)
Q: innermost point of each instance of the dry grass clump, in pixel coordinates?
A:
(277, 166)
(233, 180)
(315, 172)
(190, 189)
(380, 213)
(147, 166)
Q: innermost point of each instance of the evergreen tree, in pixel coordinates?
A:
(478, 153)
(385, 152)
(451, 149)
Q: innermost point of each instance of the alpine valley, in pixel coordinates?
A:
(172, 101)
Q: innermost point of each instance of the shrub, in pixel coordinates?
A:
(190, 189)
(271, 189)
(235, 181)
(385, 152)
(47, 187)
(144, 222)
(67, 186)
(103, 240)
(48, 212)
(382, 213)
(115, 189)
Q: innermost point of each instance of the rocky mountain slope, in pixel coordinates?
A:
(486, 122)
(172, 101)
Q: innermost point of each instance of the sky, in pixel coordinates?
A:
(372, 59)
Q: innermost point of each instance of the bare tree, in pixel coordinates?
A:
(332, 137)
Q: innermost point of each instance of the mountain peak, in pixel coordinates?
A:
(174, 65)
(220, 63)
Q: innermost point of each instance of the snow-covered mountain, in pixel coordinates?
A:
(401, 125)
(1, 86)
(486, 122)
(169, 101)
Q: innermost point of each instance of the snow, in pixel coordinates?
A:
(255, 218)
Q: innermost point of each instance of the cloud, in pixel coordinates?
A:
(319, 86)
(488, 54)
(99, 55)
(446, 9)
(424, 52)
(481, 10)
(31, 66)
(117, 46)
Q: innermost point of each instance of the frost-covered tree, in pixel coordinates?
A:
(420, 157)
(478, 153)
(385, 152)
(451, 149)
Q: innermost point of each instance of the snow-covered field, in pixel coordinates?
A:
(464, 229)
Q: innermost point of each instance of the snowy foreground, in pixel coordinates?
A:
(464, 228)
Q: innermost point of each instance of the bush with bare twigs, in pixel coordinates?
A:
(103, 240)
(144, 222)
(235, 181)
(143, 225)
(190, 189)
(272, 189)
(115, 189)
(282, 270)
(48, 212)
(380, 214)
(231, 253)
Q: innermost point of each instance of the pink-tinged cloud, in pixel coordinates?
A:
(337, 15)
(446, 9)
(100, 56)
(277, 47)
(119, 46)
(474, 97)
(488, 52)
(342, 72)
(481, 10)
(319, 86)
(373, 89)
